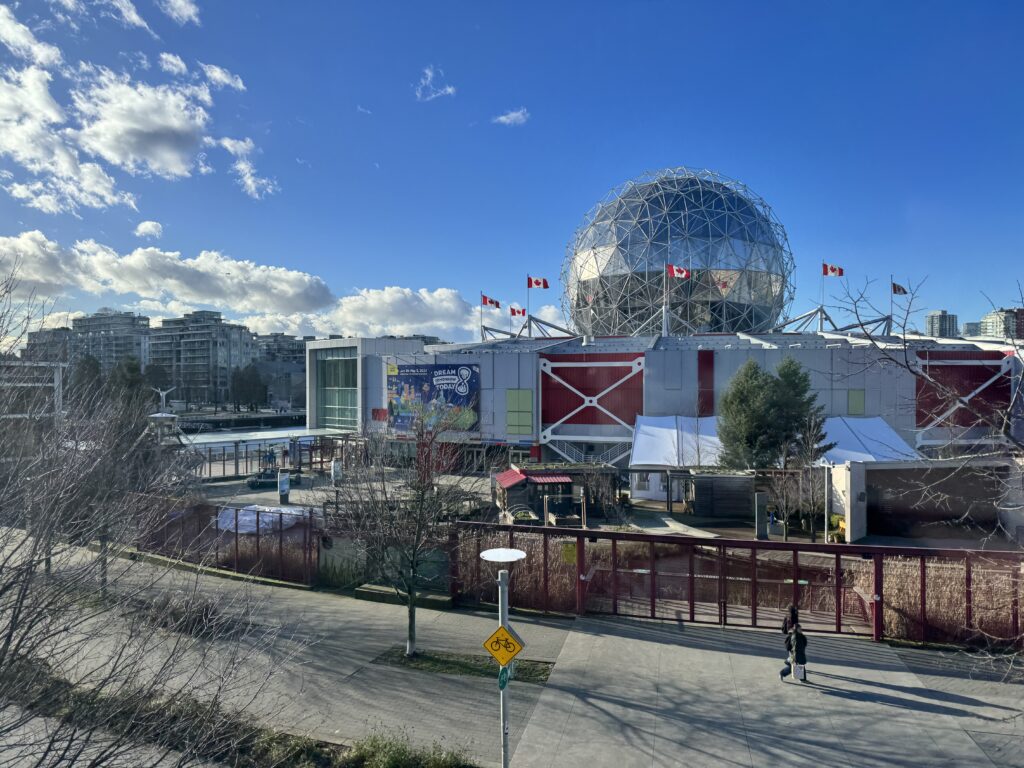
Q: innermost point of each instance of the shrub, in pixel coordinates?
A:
(390, 750)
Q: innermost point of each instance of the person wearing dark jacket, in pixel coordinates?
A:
(791, 620)
(796, 650)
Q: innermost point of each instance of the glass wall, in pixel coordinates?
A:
(337, 388)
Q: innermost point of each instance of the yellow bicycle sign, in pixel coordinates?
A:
(504, 645)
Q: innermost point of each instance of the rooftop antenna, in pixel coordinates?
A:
(163, 396)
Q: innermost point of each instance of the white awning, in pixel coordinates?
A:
(865, 439)
(674, 442)
(678, 442)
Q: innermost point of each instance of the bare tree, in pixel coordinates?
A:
(397, 511)
(960, 478)
(105, 659)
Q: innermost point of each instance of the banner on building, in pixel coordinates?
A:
(437, 393)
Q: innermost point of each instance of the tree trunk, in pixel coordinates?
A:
(410, 641)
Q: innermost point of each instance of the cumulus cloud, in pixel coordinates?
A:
(151, 274)
(512, 117)
(150, 229)
(219, 77)
(142, 128)
(254, 185)
(182, 11)
(173, 64)
(128, 14)
(376, 311)
(31, 136)
(430, 86)
(22, 43)
(163, 283)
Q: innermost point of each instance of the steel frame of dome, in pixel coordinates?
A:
(737, 252)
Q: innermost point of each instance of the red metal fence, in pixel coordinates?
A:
(933, 595)
(278, 548)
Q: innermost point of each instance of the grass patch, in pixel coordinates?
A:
(466, 665)
(382, 749)
(202, 731)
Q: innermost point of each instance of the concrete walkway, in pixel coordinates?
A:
(633, 692)
(646, 694)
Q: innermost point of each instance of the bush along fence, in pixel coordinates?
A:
(278, 544)
(930, 595)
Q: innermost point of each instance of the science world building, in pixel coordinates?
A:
(720, 235)
(579, 397)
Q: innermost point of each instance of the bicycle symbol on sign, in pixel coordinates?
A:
(503, 643)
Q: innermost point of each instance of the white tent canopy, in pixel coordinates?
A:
(671, 442)
(677, 442)
(865, 439)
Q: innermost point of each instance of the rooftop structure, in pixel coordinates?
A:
(735, 253)
(942, 324)
(111, 337)
(1004, 324)
(48, 345)
(198, 352)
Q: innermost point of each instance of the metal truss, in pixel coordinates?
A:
(727, 237)
(566, 444)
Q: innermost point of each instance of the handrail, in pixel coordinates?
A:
(852, 550)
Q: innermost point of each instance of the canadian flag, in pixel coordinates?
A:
(831, 270)
(487, 301)
(674, 271)
(536, 282)
(517, 312)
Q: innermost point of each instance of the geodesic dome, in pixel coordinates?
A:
(729, 240)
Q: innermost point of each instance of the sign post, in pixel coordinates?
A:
(504, 644)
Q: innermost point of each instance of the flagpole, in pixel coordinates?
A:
(529, 284)
(890, 304)
(481, 315)
(664, 301)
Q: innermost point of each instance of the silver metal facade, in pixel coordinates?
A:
(733, 246)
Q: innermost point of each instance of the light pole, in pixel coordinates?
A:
(503, 556)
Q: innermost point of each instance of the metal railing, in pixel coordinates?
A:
(907, 593)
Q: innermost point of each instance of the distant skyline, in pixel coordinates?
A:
(352, 168)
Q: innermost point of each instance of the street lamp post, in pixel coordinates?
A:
(503, 556)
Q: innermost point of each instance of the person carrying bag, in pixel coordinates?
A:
(796, 660)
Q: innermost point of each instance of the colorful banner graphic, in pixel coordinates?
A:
(449, 393)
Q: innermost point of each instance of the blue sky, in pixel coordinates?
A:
(886, 137)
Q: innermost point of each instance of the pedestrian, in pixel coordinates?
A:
(791, 620)
(796, 659)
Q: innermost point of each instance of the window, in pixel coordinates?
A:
(337, 388)
(855, 402)
(519, 411)
(642, 481)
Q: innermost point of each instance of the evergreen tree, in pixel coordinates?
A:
(767, 421)
(86, 377)
(157, 376)
(126, 379)
(747, 423)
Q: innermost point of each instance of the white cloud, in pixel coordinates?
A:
(150, 229)
(182, 11)
(23, 43)
(512, 117)
(173, 64)
(254, 185)
(376, 311)
(363, 110)
(219, 77)
(32, 137)
(164, 283)
(128, 14)
(140, 127)
(211, 278)
(428, 90)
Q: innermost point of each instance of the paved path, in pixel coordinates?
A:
(636, 692)
(646, 694)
